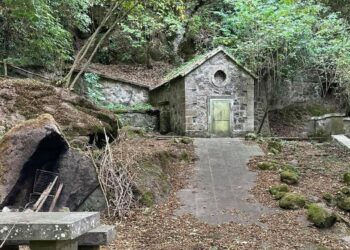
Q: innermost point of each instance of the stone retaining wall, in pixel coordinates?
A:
(148, 120)
(329, 124)
(124, 93)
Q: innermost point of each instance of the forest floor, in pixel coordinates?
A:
(321, 166)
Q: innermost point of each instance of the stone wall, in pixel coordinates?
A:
(201, 87)
(329, 124)
(124, 93)
(147, 120)
(296, 91)
(170, 100)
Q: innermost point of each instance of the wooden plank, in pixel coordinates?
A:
(57, 195)
(46, 193)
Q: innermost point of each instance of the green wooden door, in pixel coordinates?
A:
(220, 114)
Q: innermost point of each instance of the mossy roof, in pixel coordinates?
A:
(196, 62)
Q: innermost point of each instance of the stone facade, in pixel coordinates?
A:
(124, 93)
(186, 100)
(201, 87)
(170, 100)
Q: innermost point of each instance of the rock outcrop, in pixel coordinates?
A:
(39, 144)
(22, 99)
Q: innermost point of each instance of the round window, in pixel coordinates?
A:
(220, 78)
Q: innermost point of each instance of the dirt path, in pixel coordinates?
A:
(219, 190)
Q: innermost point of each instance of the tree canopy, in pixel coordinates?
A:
(277, 39)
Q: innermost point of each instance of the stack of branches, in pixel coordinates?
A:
(113, 171)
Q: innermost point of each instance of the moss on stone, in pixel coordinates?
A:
(274, 146)
(346, 178)
(251, 136)
(343, 202)
(345, 190)
(185, 156)
(267, 165)
(186, 140)
(292, 201)
(278, 191)
(132, 132)
(290, 168)
(330, 199)
(289, 177)
(147, 199)
(320, 217)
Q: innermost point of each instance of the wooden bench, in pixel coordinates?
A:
(64, 231)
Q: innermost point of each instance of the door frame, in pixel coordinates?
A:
(219, 98)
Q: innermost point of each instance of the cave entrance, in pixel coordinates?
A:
(46, 158)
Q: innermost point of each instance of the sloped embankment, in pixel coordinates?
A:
(22, 99)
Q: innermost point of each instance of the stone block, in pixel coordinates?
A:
(47, 226)
(102, 235)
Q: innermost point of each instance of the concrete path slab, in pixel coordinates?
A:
(219, 190)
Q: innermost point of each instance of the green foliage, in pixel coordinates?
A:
(280, 39)
(147, 32)
(94, 88)
(72, 13)
(32, 35)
